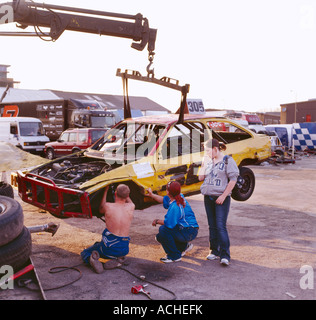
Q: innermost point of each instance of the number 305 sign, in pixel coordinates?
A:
(195, 106)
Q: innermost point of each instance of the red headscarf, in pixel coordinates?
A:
(174, 189)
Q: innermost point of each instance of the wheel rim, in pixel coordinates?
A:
(247, 184)
(50, 155)
(2, 208)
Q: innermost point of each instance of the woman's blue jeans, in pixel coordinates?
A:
(174, 241)
(217, 218)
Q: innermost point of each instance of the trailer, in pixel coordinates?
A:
(61, 114)
(301, 135)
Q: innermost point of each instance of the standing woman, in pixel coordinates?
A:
(219, 177)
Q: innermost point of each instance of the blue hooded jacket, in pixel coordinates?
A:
(177, 215)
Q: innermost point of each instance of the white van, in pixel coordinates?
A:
(23, 132)
(284, 131)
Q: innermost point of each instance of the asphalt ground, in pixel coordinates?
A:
(273, 250)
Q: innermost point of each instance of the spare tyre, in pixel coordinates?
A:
(6, 190)
(11, 220)
(17, 252)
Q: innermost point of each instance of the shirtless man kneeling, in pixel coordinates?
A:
(115, 238)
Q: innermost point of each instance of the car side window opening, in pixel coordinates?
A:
(227, 132)
(184, 139)
(82, 137)
(13, 128)
(72, 137)
(136, 139)
(96, 135)
(64, 137)
(150, 134)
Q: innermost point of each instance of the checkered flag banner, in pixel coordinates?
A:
(304, 135)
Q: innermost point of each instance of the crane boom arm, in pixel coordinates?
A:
(61, 18)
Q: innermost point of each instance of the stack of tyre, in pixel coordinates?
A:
(15, 238)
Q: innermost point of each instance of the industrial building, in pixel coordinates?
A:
(297, 112)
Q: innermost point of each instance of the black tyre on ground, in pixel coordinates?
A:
(17, 252)
(248, 187)
(11, 219)
(6, 190)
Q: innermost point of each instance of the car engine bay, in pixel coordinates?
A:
(72, 173)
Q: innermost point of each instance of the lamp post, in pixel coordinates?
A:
(295, 105)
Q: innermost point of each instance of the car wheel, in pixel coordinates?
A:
(135, 194)
(50, 154)
(248, 187)
(6, 190)
(11, 219)
(17, 252)
(75, 150)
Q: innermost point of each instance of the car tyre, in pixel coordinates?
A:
(50, 154)
(11, 220)
(6, 190)
(135, 194)
(17, 252)
(248, 187)
(76, 150)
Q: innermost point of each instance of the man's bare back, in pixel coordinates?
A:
(118, 215)
(118, 218)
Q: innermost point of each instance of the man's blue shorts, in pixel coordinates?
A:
(110, 247)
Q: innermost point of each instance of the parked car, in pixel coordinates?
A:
(72, 141)
(284, 132)
(276, 144)
(145, 152)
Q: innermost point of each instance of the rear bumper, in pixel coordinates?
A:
(45, 194)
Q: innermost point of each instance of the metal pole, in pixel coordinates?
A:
(21, 34)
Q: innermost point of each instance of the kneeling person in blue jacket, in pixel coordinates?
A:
(179, 226)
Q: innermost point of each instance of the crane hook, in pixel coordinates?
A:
(150, 72)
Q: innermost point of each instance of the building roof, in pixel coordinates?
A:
(113, 101)
(26, 95)
(297, 103)
(105, 100)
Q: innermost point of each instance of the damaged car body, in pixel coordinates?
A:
(143, 153)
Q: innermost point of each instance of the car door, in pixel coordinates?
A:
(180, 156)
(60, 146)
(83, 140)
(72, 142)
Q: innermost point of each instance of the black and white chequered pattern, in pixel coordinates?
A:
(304, 135)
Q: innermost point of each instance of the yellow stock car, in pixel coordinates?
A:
(143, 153)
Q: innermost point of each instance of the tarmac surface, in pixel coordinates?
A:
(273, 249)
